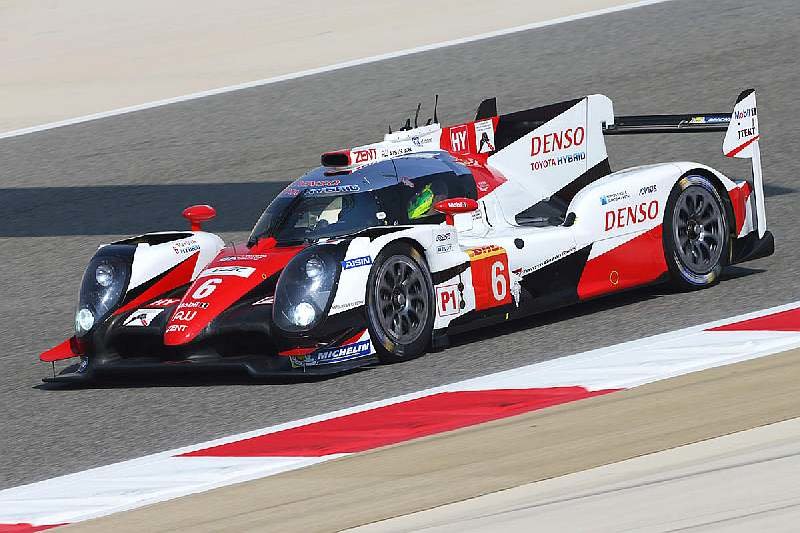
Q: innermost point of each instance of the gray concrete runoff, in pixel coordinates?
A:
(735, 483)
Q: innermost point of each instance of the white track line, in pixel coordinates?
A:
(329, 68)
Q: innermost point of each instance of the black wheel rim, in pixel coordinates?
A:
(698, 229)
(402, 302)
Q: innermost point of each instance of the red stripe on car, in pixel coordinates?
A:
(636, 262)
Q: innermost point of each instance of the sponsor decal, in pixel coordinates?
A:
(484, 252)
(246, 257)
(334, 355)
(708, 120)
(447, 301)
(556, 141)
(179, 328)
(550, 260)
(745, 113)
(186, 246)
(356, 262)
(268, 300)
(421, 141)
(232, 270)
(484, 136)
(458, 139)
(648, 189)
(557, 161)
(338, 189)
(442, 237)
(164, 302)
(349, 305)
(142, 317)
(184, 316)
(747, 132)
(318, 183)
(631, 215)
(193, 305)
(392, 152)
(548, 143)
(364, 156)
(482, 186)
(614, 197)
(444, 248)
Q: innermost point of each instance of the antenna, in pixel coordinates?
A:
(416, 115)
(435, 107)
(390, 129)
(407, 125)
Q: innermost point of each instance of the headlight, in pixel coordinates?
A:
(303, 314)
(304, 289)
(103, 286)
(84, 320)
(315, 268)
(104, 274)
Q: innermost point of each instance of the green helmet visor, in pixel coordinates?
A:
(421, 204)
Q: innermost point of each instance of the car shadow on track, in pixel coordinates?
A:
(129, 209)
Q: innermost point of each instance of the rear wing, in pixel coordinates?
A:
(695, 123)
(741, 136)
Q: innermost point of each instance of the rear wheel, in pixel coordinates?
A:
(400, 304)
(696, 238)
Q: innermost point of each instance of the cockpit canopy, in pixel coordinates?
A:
(396, 192)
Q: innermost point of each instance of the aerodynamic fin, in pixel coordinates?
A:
(487, 109)
(741, 140)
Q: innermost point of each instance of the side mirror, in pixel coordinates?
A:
(197, 214)
(454, 206)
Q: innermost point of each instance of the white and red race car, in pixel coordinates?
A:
(388, 248)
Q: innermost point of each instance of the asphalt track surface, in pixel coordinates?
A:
(66, 190)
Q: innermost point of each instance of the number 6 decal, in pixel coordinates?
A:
(489, 266)
(205, 290)
(499, 281)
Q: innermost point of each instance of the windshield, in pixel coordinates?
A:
(311, 217)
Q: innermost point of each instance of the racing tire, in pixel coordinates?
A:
(696, 235)
(400, 304)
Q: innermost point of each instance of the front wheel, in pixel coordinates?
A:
(696, 237)
(400, 304)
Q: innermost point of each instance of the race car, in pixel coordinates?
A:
(388, 249)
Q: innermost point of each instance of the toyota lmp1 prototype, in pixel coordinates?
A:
(387, 249)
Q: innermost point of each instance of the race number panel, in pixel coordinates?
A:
(490, 276)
